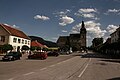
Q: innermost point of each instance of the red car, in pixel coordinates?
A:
(38, 55)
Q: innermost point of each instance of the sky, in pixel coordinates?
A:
(50, 19)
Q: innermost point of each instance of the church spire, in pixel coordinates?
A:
(83, 29)
(83, 25)
(83, 35)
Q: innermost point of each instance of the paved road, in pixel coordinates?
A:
(102, 68)
(77, 66)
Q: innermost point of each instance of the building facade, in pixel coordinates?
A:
(74, 41)
(115, 36)
(13, 36)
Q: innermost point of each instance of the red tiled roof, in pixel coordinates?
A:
(36, 44)
(14, 32)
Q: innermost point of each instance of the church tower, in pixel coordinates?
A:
(83, 35)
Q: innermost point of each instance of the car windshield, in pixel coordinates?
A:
(9, 54)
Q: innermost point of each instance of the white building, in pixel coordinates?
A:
(115, 36)
(13, 36)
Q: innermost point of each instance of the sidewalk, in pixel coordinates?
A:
(24, 56)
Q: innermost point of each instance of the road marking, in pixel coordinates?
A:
(28, 73)
(64, 61)
(59, 63)
(43, 68)
(84, 68)
(52, 66)
(11, 79)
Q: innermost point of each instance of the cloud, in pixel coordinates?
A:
(65, 20)
(87, 13)
(115, 11)
(111, 28)
(62, 13)
(54, 39)
(41, 17)
(64, 31)
(14, 26)
(93, 29)
(87, 10)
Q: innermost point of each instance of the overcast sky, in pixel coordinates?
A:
(50, 19)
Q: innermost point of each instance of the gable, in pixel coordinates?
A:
(3, 31)
(14, 31)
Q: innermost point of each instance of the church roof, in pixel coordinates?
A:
(75, 35)
(63, 39)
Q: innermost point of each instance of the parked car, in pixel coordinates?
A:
(12, 56)
(37, 55)
(53, 53)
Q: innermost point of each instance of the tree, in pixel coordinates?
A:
(44, 49)
(38, 48)
(7, 47)
(32, 48)
(97, 41)
(24, 47)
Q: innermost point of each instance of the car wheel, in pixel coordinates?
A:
(41, 58)
(19, 58)
(3, 59)
(29, 57)
(12, 59)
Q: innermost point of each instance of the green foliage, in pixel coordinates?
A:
(44, 49)
(24, 47)
(97, 41)
(38, 48)
(32, 48)
(7, 47)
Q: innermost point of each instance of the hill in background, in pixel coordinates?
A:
(42, 41)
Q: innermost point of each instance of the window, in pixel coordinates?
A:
(14, 40)
(22, 41)
(19, 40)
(25, 41)
(2, 38)
(28, 42)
